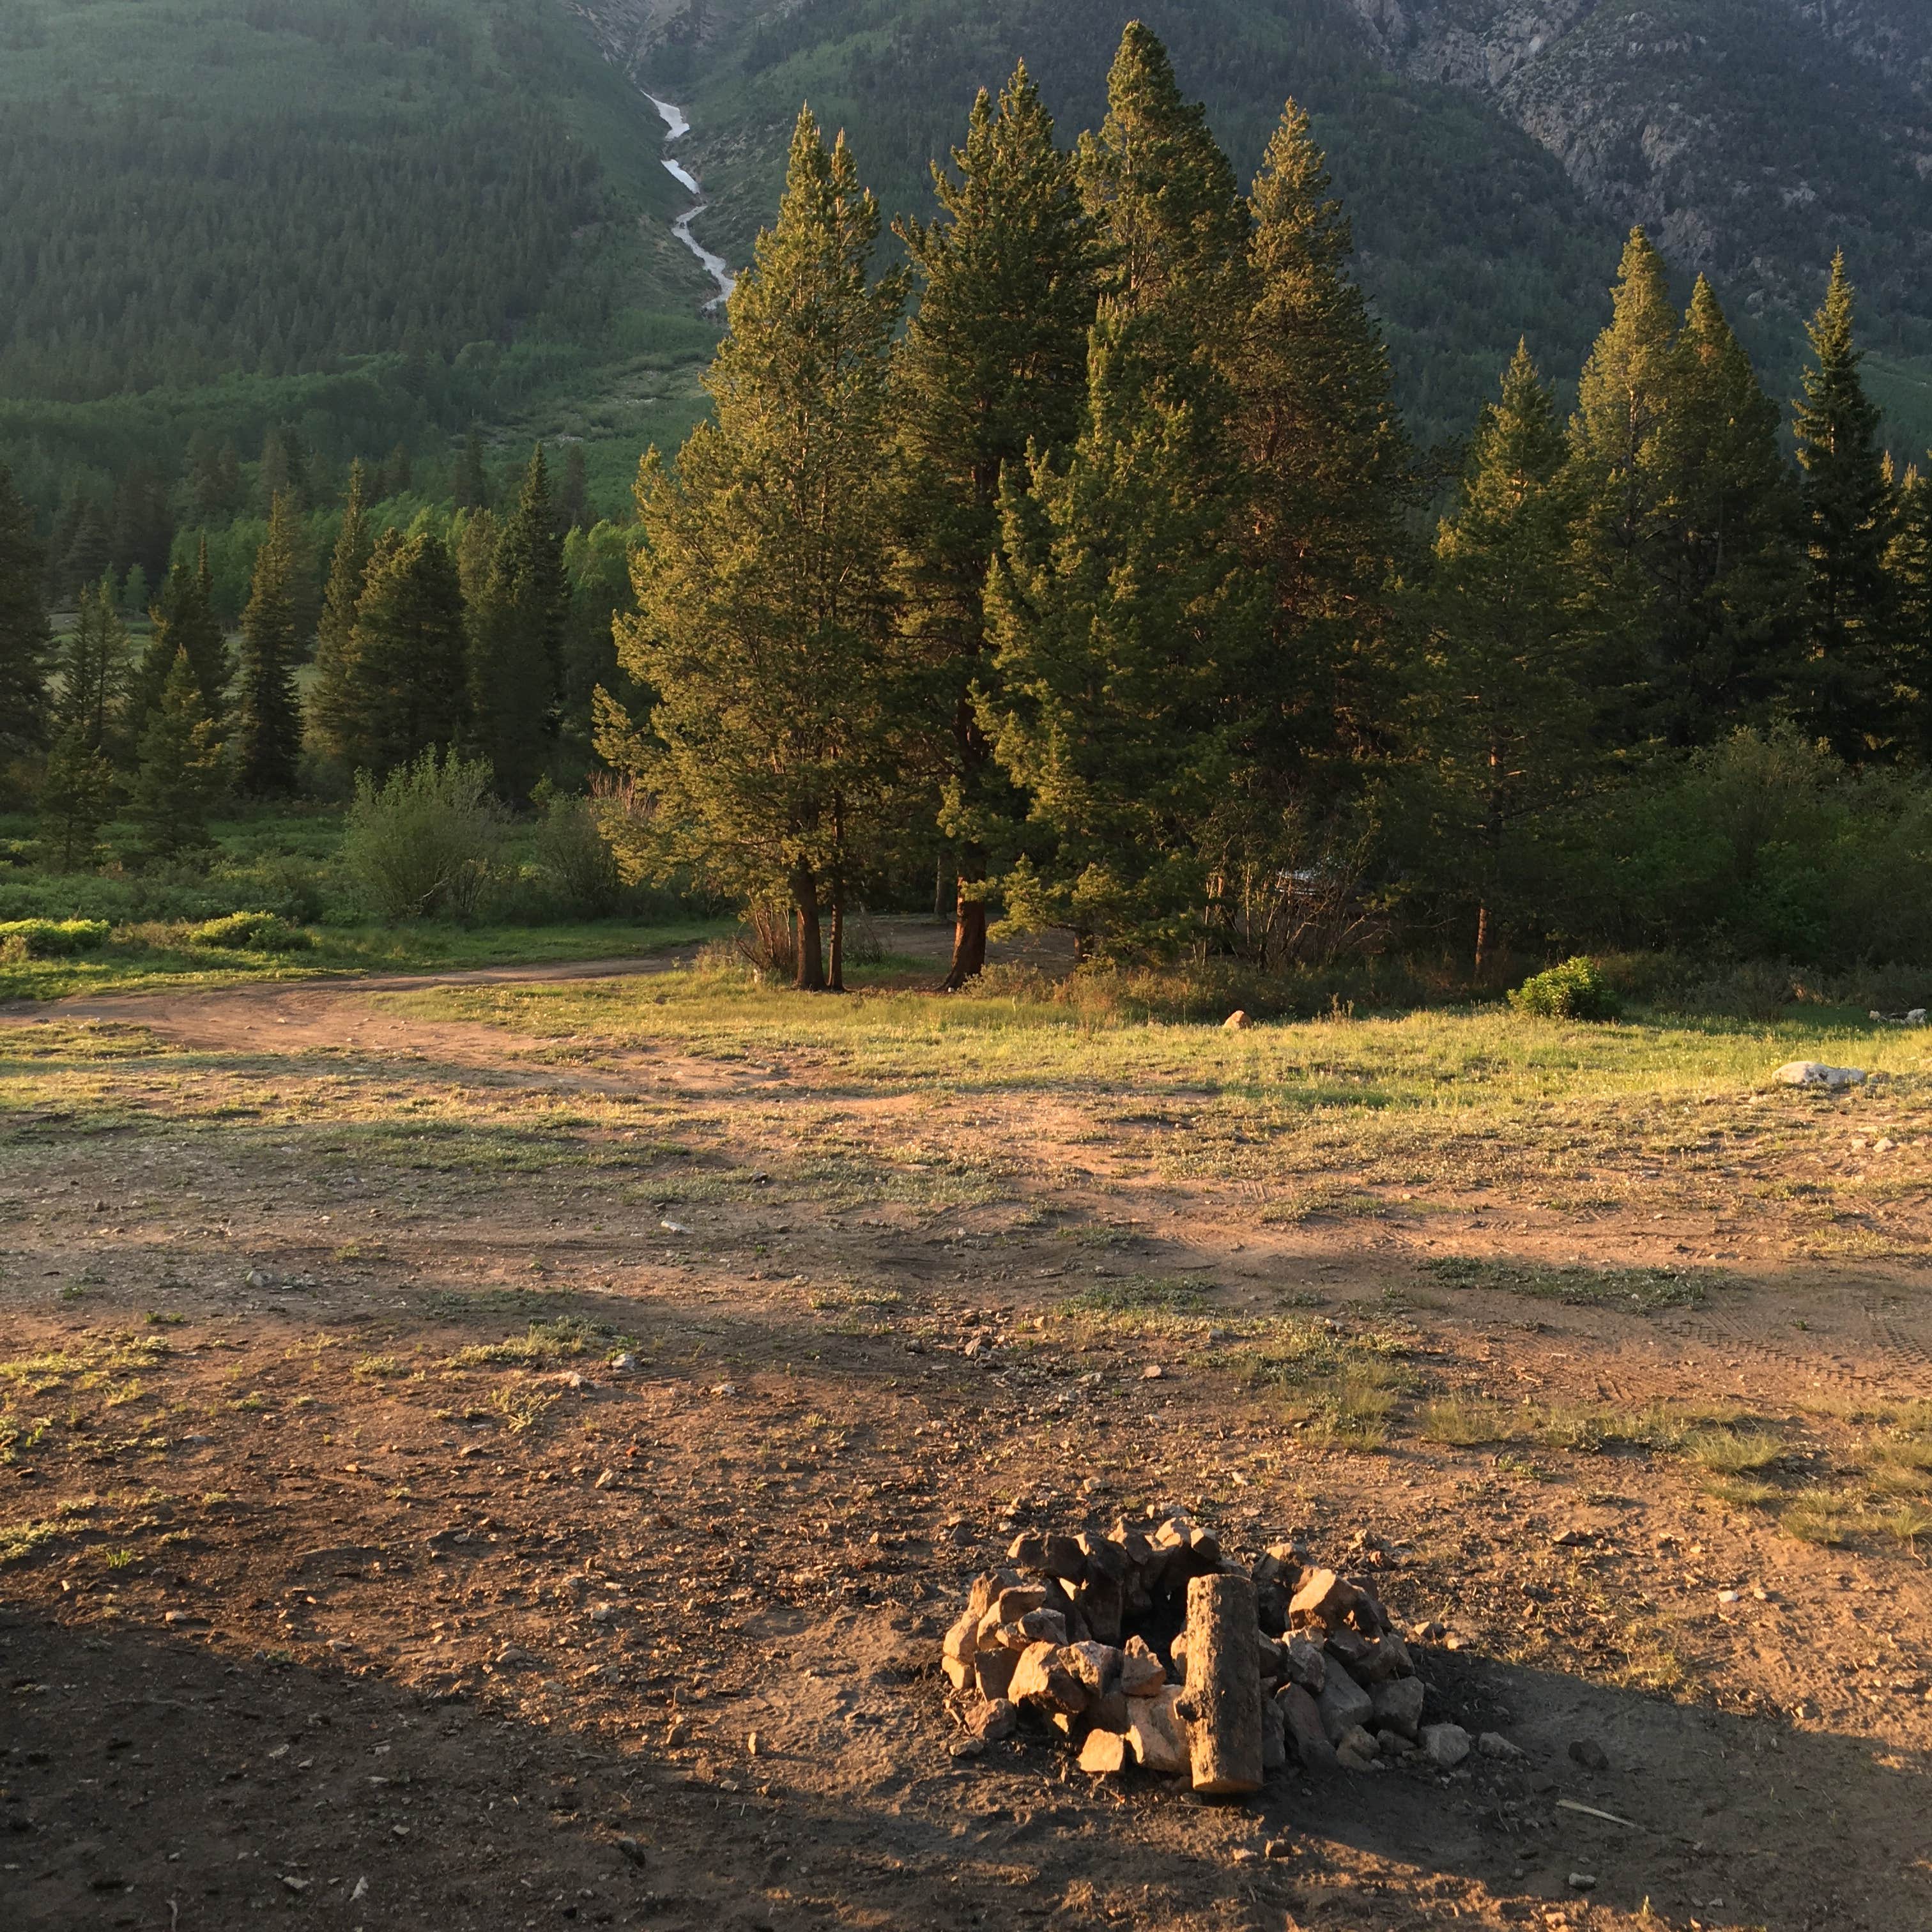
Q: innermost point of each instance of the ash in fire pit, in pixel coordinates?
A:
(1153, 1648)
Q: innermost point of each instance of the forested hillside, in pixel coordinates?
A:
(360, 221)
(1490, 151)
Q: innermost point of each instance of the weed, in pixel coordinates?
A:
(380, 1368)
(1463, 1423)
(1727, 1453)
(19, 1541)
(1820, 1516)
(544, 1346)
(523, 1407)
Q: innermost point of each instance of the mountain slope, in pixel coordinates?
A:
(1491, 151)
(1752, 137)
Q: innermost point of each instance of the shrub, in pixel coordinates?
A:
(575, 860)
(423, 842)
(250, 932)
(768, 939)
(52, 938)
(1576, 990)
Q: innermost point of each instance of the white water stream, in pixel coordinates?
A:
(676, 126)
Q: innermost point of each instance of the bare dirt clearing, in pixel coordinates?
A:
(344, 1574)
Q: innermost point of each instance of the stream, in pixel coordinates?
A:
(676, 126)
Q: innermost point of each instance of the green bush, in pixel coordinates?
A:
(250, 932)
(1576, 990)
(424, 842)
(52, 938)
(575, 860)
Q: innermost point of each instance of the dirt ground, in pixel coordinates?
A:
(346, 1576)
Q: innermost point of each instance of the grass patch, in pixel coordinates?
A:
(1724, 1452)
(19, 1541)
(1644, 1288)
(544, 1345)
(1464, 1422)
(380, 1368)
(1140, 1294)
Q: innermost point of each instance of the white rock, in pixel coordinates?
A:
(1816, 1073)
(1447, 1745)
(1493, 1744)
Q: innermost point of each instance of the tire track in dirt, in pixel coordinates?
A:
(1914, 1355)
(1820, 1370)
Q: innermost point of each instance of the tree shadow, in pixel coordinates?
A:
(154, 1780)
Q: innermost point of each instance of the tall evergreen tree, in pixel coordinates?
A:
(94, 673)
(406, 664)
(1171, 222)
(1124, 622)
(764, 623)
(1121, 624)
(178, 768)
(76, 800)
(267, 717)
(25, 640)
(184, 620)
(516, 649)
(1847, 676)
(1506, 718)
(573, 495)
(1724, 563)
(991, 362)
(1327, 461)
(1909, 565)
(330, 719)
(471, 487)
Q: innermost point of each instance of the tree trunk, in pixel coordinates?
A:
(835, 980)
(969, 922)
(1482, 939)
(811, 950)
(939, 886)
(1222, 1705)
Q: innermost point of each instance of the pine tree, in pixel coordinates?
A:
(1124, 628)
(1327, 464)
(1909, 563)
(330, 720)
(1505, 715)
(183, 619)
(764, 623)
(25, 640)
(407, 660)
(178, 770)
(1724, 564)
(990, 363)
(94, 673)
(471, 487)
(573, 496)
(1847, 676)
(267, 717)
(516, 650)
(1172, 223)
(76, 799)
(1124, 623)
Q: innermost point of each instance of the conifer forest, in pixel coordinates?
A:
(1065, 545)
(966, 964)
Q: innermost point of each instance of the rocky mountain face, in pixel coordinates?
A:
(1752, 137)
